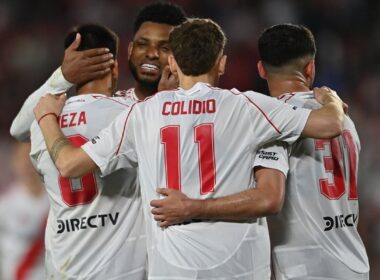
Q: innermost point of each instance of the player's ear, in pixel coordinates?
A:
(261, 70)
(222, 65)
(310, 70)
(130, 47)
(172, 64)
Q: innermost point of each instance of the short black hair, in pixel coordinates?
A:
(160, 12)
(282, 43)
(94, 36)
(196, 45)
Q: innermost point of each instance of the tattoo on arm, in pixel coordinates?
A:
(57, 146)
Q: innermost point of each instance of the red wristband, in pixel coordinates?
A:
(47, 114)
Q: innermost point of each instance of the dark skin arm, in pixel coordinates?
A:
(266, 199)
(79, 67)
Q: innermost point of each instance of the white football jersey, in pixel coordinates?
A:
(95, 226)
(21, 234)
(56, 84)
(316, 234)
(202, 142)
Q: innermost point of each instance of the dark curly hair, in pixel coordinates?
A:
(160, 12)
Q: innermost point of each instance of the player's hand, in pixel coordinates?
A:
(174, 208)
(168, 80)
(82, 66)
(325, 94)
(49, 104)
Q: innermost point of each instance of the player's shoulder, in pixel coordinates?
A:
(97, 102)
(300, 99)
(259, 100)
(159, 96)
(252, 95)
(117, 101)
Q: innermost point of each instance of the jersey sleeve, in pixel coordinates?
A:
(273, 155)
(38, 145)
(114, 147)
(275, 120)
(21, 124)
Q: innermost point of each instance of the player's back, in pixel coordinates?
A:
(318, 224)
(95, 228)
(202, 142)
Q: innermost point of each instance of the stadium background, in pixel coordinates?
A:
(348, 60)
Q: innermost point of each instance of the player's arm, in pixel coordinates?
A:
(69, 160)
(326, 122)
(266, 199)
(21, 124)
(77, 67)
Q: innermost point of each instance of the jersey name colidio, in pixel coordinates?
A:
(201, 141)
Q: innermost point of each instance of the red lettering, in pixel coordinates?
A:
(72, 119)
(63, 121)
(165, 111)
(72, 123)
(197, 107)
(183, 109)
(82, 118)
(175, 108)
(194, 107)
(211, 106)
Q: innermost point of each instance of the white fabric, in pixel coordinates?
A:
(19, 229)
(273, 155)
(21, 124)
(308, 238)
(102, 236)
(231, 128)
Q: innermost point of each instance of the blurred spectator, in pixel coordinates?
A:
(23, 212)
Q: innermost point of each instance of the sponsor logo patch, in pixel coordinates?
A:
(340, 221)
(267, 155)
(85, 223)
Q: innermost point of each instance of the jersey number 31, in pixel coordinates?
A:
(333, 164)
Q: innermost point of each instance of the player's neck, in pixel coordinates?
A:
(96, 86)
(187, 82)
(278, 86)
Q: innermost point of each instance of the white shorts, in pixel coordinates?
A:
(310, 263)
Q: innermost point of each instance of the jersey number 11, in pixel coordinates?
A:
(204, 139)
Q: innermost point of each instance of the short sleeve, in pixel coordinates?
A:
(273, 155)
(275, 120)
(114, 146)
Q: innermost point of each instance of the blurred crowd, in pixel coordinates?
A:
(348, 60)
